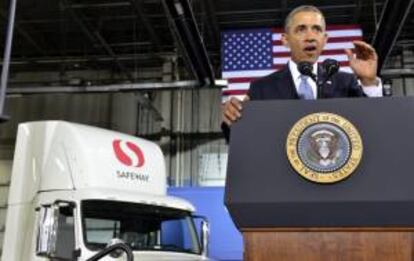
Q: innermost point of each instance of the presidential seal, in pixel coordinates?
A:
(324, 147)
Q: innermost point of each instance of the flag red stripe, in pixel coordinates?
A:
(241, 80)
(344, 64)
(278, 66)
(278, 30)
(344, 39)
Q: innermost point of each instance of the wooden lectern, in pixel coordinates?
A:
(282, 216)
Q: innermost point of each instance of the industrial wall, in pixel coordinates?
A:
(5, 168)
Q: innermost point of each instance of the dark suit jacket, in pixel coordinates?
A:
(280, 85)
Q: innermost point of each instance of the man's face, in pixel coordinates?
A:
(305, 37)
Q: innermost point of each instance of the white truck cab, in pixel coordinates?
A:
(76, 189)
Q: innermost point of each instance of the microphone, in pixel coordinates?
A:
(331, 67)
(306, 68)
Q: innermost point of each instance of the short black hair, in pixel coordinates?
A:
(302, 8)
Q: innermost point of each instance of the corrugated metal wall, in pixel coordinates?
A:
(402, 85)
(5, 170)
(190, 126)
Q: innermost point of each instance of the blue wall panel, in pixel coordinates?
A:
(225, 240)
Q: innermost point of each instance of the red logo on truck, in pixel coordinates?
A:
(130, 154)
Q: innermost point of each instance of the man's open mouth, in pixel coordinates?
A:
(310, 48)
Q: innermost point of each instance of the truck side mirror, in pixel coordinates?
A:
(55, 231)
(47, 230)
(204, 234)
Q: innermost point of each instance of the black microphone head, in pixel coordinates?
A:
(306, 68)
(330, 66)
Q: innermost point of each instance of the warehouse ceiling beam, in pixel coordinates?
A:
(284, 8)
(95, 37)
(189, 39)
(100, 5)
(271, 11)
(393, 17)
(90, 58)
(139, 10)
(24, 34)
(358, 10)
(210, 9)
(102, 88)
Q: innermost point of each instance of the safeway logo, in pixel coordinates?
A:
(128, 153)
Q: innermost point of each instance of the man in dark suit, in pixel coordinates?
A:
(305, 35)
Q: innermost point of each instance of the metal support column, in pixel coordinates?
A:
(6, 59)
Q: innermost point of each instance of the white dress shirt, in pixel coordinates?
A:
(370, 91)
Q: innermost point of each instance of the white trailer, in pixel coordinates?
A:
(75, 189)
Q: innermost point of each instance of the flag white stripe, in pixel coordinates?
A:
(331, 34)
(344, 33)
(238, 86)
(242, 74)
(346, 69)
(225, 98)
(329, 46)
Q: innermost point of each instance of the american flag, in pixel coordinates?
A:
(254, 53)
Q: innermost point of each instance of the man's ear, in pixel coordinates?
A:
(284, 39)
(325, 39)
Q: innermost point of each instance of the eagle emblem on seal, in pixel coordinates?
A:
(324, 148)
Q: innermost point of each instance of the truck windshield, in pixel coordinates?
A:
(142, 227)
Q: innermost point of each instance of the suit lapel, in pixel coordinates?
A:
(327, 88)
(288, 84)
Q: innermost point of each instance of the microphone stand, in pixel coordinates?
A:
(320, 84)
